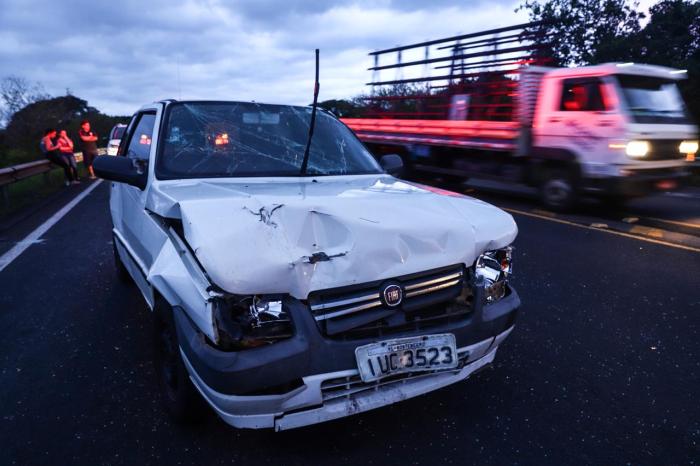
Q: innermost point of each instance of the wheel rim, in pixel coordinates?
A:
(557, 192)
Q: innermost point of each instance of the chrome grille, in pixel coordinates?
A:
(342, 310)
(366, 302)
(433, 285)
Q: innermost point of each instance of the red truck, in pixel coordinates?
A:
(486, 105)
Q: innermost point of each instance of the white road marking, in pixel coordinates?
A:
(34, 237)
(29, 243)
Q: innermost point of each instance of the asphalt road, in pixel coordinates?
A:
(602, 367)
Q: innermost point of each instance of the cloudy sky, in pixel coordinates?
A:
(121, 54)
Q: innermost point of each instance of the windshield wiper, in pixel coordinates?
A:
(305, 161)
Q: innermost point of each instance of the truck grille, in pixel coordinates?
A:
(361, 311)
(664, 149)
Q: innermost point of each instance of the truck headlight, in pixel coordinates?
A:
(688, 147)
(637, 149)
(491, 270)
(250, 321)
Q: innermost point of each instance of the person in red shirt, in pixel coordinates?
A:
(51, 152)
(65, 148)
(89, 139)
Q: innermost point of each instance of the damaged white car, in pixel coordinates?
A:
(293, 279)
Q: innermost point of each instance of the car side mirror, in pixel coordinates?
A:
(120, 169)
(392, 164)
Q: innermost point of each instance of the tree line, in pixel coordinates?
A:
(26, 110)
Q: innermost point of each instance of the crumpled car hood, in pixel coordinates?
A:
(300, 235)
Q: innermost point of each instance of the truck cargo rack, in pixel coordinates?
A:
(485, 66)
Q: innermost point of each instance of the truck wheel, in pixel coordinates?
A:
(122, 273)
(180, 397)
(557, 192)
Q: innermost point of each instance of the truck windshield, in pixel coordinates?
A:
(653, 100)
(237, 139)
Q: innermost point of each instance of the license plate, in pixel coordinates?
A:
(413, 354)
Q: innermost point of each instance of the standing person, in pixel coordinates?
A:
(89, 139)
(65, 148)
(51, 152)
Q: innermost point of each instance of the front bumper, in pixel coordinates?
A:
(637, 182)
(311, 404)
(309, 379)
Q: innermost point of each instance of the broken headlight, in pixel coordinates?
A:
(491, 271)
(251, 321)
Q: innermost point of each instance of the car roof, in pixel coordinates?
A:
(154, 105)
(221, 101)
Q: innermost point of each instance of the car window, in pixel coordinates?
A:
(125, 138)
(582, 96)
(141, 139)
(237, 139)
(118, 132)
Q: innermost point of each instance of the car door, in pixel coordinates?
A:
(115, 199)
(581, 117)
(135, 223)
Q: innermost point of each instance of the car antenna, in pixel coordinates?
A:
(305, 161)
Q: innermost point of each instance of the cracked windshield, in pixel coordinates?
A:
(249, 139)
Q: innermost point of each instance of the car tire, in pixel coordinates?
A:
(181, 399)
(122, 273)
(558, 192)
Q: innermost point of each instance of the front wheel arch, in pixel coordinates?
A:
(181, 399)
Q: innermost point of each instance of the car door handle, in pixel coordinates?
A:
(554, 119)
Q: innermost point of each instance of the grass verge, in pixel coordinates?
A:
(33, 190)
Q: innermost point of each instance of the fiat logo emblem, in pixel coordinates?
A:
(392, 295)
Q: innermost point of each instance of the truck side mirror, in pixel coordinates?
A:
(392, 164)
(121, 170)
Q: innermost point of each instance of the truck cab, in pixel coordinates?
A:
(623, 125)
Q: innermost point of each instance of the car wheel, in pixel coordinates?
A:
(557, 192)
(122, 273)
(180, 397)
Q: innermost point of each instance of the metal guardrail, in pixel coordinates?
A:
(15, 173)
